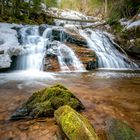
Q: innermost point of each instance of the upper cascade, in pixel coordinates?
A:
(106, 50)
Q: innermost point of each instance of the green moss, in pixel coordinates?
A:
(40, 109)
(118, 130)
(74, 125)
(44, 102)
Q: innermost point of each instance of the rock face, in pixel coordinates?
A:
(71, 37)
(74, 125)
(43, 103)
(118, 130)
(130, 37)
(68, 35)
(86, 55)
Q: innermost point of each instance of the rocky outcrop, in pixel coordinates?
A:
(86, 55)
(129, 37)
(118, 130)
(70, 36)
(74, 125)
(43, 103)
(133, 51)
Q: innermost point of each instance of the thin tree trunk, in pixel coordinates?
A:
(13, 7)
(106, 7)
(29, 5)
(2, 7)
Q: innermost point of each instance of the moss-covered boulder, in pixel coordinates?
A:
(74, 125)
(43, 103)
(118, 130)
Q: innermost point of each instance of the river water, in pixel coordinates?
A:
(104, 93)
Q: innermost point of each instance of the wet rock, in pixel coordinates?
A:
(118, 130)
(51, 64)
(2, 52)
(76, 38)
(74, 125)
(70, 36)
(91, 65)
(16, 28)
(86, 55)
(1, 42)
(133, 51)
(43, 103)
(42, 28)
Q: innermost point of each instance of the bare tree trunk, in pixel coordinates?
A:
(106, 7)
(13, 7)
(2, 8)
(29, 6)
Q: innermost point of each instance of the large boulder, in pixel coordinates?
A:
(44, 102)
(118, 130)
(74, 125)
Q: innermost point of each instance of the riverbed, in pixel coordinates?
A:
(105, 93)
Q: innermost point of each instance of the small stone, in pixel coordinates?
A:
(118, 130)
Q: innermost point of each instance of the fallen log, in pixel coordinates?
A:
(68, 19)
(94, 26)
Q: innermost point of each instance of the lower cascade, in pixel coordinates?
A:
(68, 60)
(108, 55)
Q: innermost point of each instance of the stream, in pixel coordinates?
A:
(105, 94)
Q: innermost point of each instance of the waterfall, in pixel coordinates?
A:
(36, 46)
(105, 48)
(34, 51)
(67, 59)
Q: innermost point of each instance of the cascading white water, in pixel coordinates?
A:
(34, 49)
(47, 33)
(67, 59)
(108, 55)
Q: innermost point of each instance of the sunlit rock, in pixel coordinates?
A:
(74, 125)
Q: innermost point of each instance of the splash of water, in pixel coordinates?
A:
(67, 59)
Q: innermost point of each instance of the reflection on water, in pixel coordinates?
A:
(105, 94)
